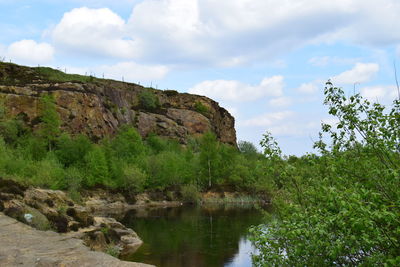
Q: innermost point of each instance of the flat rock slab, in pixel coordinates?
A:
(21, 245)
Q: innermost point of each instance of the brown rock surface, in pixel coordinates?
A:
(98, 107)
(21, 245)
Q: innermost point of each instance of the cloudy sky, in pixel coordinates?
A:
(266, 61)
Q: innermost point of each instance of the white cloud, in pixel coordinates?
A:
(362, 72)
(225, 33)
(282, 123)
(280, 102)
(268, 119)
(319, 61)
(233, 111)
(309, 88)
(382, 94)
(328, 60)
(230, 90)
(95, 32)
(29, 52)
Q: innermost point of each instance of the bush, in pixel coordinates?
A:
(167, 169)
(190, 193)
(127, 144)
(97, 167)
(133, 179)
(148, 100)
(339, 209)
(71, 151)
(201, 108)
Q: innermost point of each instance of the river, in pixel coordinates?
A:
(211, 235)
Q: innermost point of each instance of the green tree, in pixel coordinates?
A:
(209, 156)
(342, 208)
(50, 127)
(128, 143)
(97, 167)
(247, 148)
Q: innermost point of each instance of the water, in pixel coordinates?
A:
(194, 236)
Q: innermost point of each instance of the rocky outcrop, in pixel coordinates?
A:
(53, 210)
(99, 107)
(21, 245)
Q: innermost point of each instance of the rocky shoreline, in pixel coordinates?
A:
(45, 210)
(91, 222)
(21, 245)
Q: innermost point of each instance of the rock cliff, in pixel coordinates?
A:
(98, 107)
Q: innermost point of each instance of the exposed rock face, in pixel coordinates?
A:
(21, 245)
(99, 107)
(52, 209)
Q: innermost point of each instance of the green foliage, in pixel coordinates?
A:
(148, 100)
(171, 92)
(270, 146)
(247, 148)
(53, 75)
(190, 193)
(10, 129)
(50, 127)
(57, 160)
(340, 208)
(201, 108)
(167, 169)
(127, 144)
(71, 151)
(133, 179)
(97, 167)
(209, 157)
(112, 250)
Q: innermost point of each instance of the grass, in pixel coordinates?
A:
(232, 199)
(59, 76)
(112, 250)
(12, 74)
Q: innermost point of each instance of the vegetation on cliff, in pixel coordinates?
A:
(54, 159)
(98, 107)
(340, 208)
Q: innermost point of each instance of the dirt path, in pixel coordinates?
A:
(21, 245)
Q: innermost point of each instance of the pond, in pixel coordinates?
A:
(211, 235)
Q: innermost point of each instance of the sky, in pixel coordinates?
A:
(265, 61)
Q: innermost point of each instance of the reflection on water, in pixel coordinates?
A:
(194, 236)
(243, 256)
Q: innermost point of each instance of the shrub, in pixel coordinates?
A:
(97, 167)
(167, 168)
(339, 209)
(148, 100)
(201, 108)
(171, 92)
(127, 144)
(133, 179)
(50, 127)
(71, 151)
(48, 172)
(190, 193)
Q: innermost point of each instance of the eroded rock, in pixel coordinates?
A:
(99, 108)
(21, 245)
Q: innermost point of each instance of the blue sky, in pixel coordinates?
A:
(266, 61)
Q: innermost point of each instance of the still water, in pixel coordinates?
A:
(194, 236)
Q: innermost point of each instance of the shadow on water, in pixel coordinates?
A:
(212, 235)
